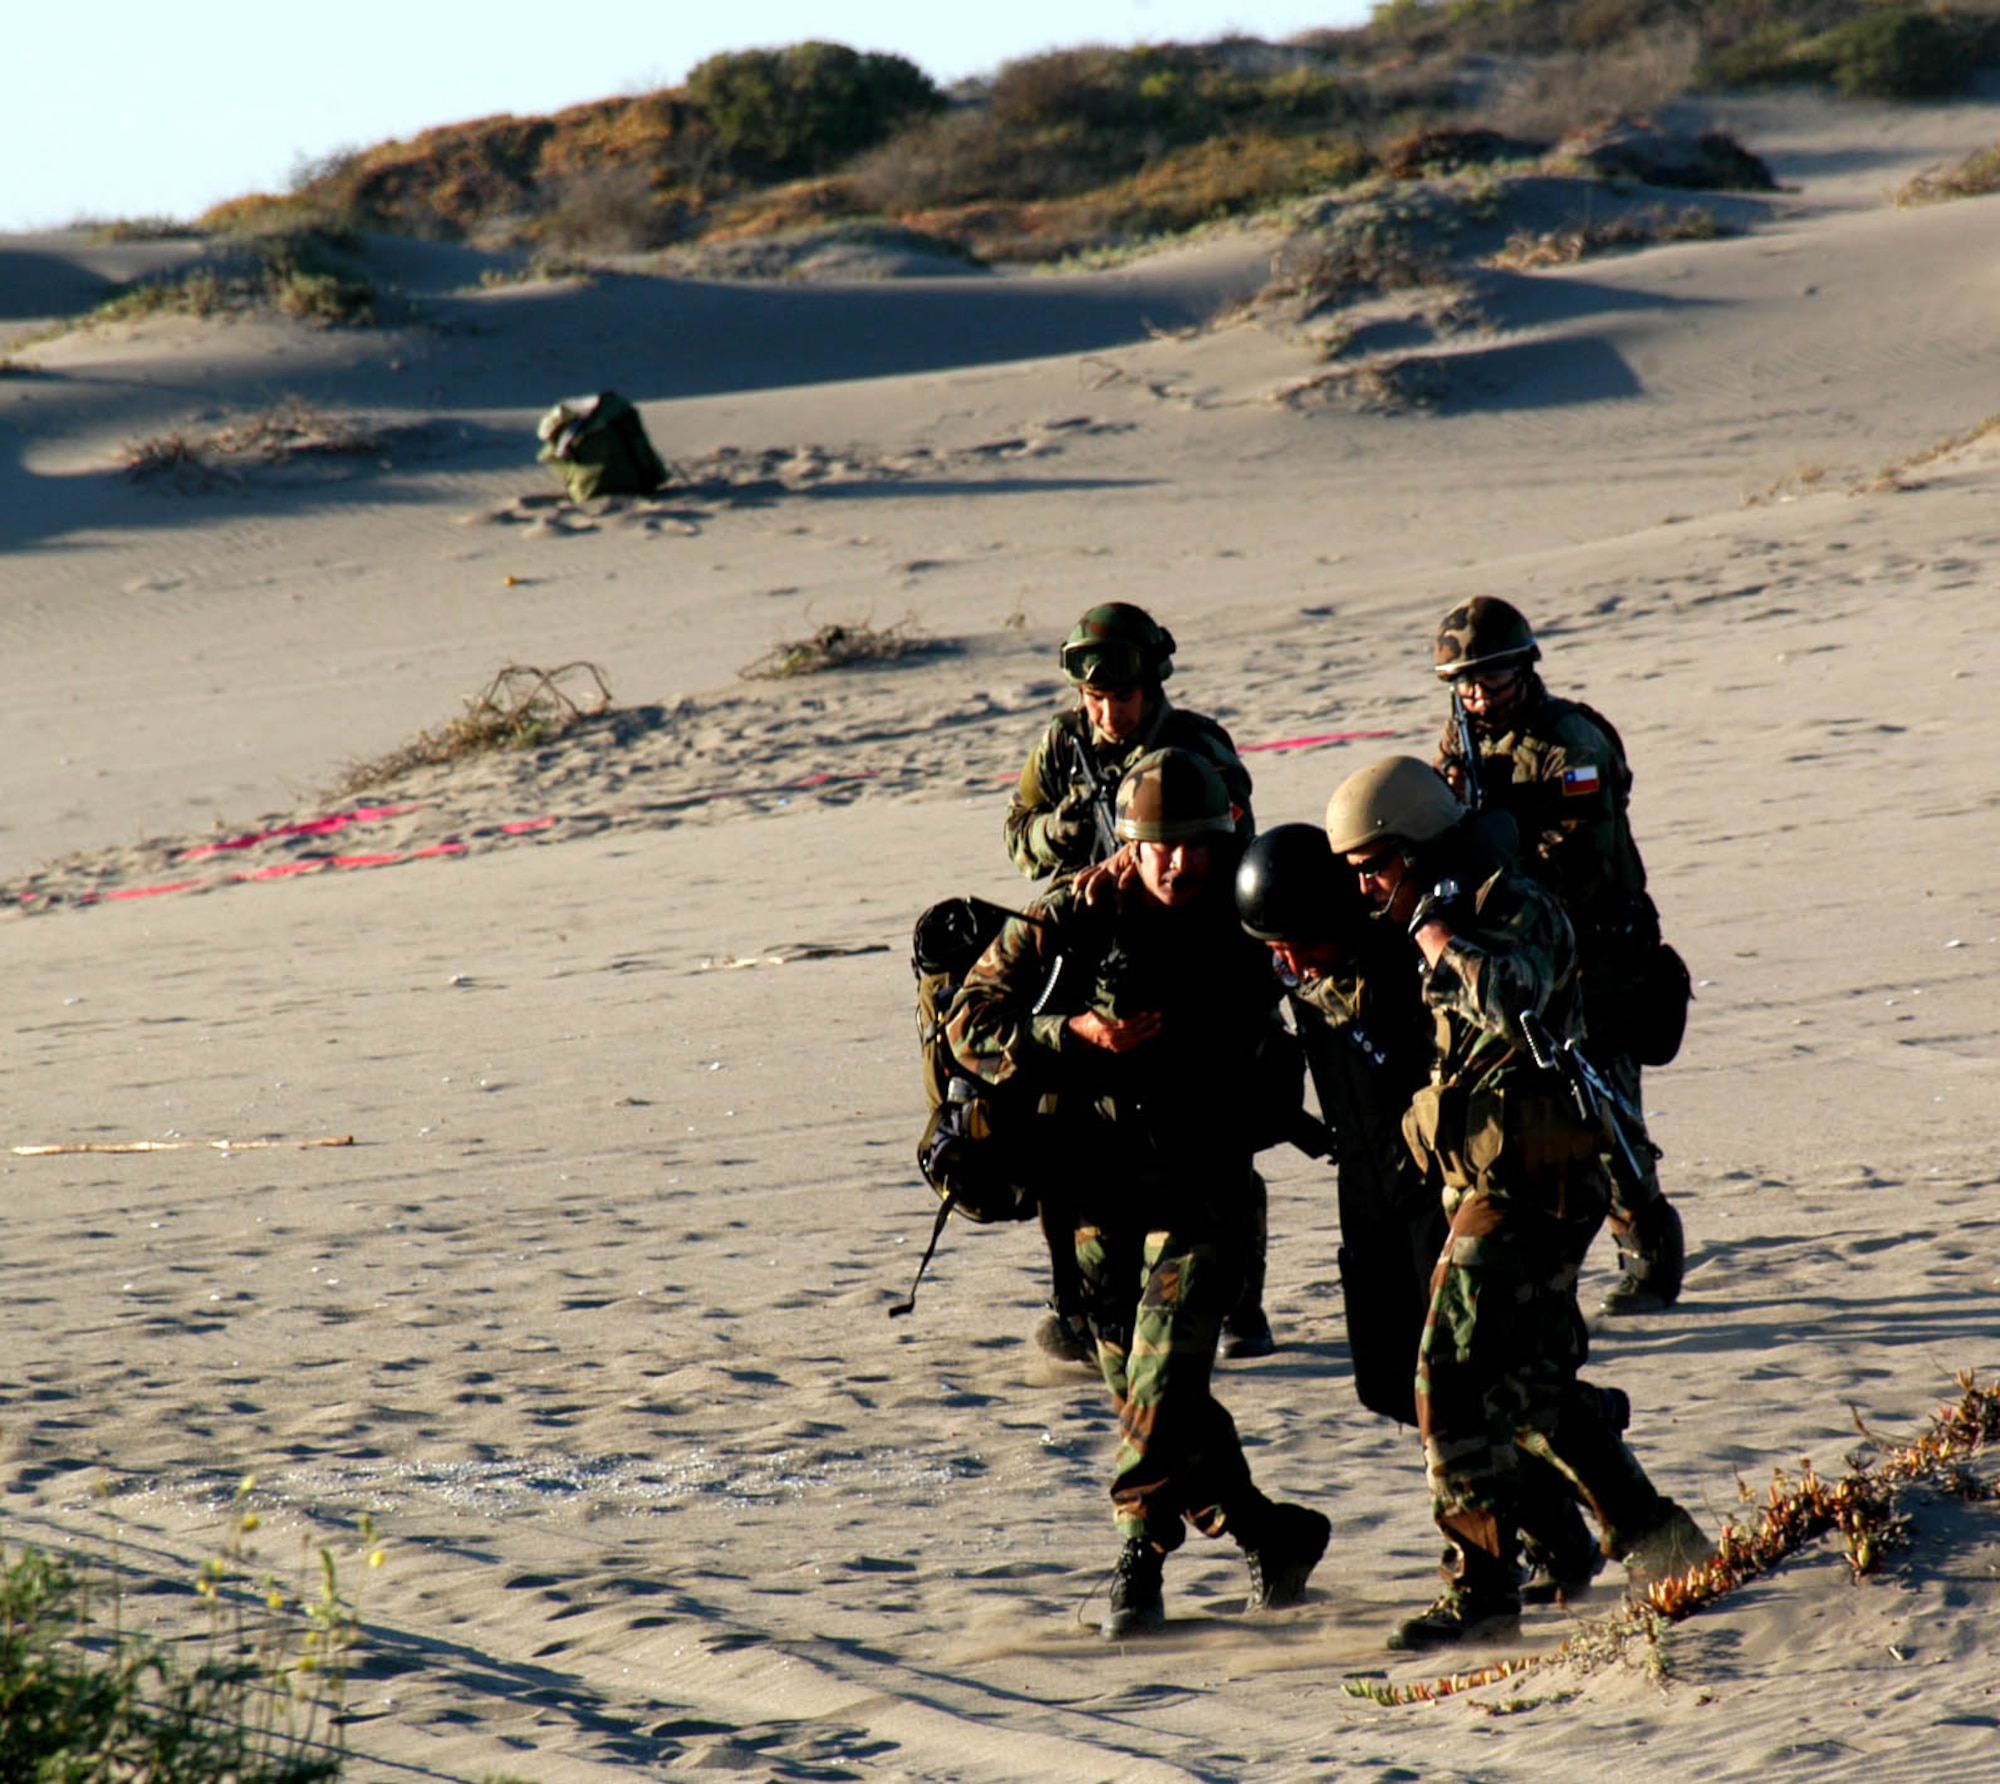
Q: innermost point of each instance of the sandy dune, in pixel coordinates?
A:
(590, 1316)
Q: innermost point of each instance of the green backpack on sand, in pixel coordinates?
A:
(597, 445)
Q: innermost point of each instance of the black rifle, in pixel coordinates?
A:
(1100, 798)
(1474, 788)
(1597, 1099)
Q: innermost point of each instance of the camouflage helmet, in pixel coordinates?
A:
(1117, 646)
(1291, 887)
(1398, 799)
(1172, 796)
(1484, 633)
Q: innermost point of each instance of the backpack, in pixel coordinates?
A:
(968, 1152)
(597, 446)
(972, 1150)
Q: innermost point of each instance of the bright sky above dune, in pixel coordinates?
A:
(137, 109)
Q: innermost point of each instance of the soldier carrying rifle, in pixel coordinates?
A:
(1061, 820)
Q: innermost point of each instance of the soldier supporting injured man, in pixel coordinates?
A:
(1060, 821)
(1524, 1188)
(1153, 1046)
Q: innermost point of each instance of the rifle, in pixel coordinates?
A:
(1100, 797)
(1468, 752)
(1597, 1099)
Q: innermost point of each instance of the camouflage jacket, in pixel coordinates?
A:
(1559, 770)
(1040, 838)
(1491, 1120)
(1367, 1039)
(1194, 1089)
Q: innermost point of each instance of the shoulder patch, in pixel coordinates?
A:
(1581, 782)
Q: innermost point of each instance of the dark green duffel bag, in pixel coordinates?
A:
(597, 445)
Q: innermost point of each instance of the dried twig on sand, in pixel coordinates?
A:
(833, 647)
(520, 708)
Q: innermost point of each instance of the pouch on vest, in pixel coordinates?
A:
(597, 446)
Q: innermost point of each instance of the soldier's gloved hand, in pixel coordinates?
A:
(1072, 824)
(1445, 903)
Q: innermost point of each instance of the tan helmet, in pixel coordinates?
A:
(1172, 796)
(1117, 646)
(1398, 799)
(1485, 633)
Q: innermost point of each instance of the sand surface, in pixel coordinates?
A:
(590, 1317)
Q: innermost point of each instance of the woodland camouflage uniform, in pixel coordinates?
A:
(1049, 828)
(1524, 1189)
(1558, 769)
(1153, 1150)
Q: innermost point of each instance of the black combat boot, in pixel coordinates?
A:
(1247, 1333)
(1652, 1253)
(1066, 1336)
(1481, 1600)
(1136, 1602)
(1282, 1552)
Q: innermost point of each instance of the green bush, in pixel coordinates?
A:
(808, 107)
(1894, 54)
(82, 1702)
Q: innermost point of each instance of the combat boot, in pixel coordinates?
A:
(1247, 1334)
(1666, 1548)
(1559, 1573)
(1137, 1605)
(1286, 1550)
(1652, 1253)
(1066, 1337)
(1483, 1601)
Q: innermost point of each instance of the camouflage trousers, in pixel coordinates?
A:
(1157, 1304)
(1497, 1370)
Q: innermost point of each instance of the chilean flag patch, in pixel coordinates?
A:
(1578, 782)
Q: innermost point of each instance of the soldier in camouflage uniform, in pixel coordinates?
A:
(1524, 1188)
(1367, 1036)
(1559, 769)
(1059, 822)
(1151, 1046)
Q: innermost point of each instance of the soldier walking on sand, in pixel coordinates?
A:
(1559, 769)
(1153, 1045)
(1060, 821)
(1524, 1188)
(1367, 1035)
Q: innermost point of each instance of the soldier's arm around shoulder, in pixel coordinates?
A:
(1041, 837)
(1515, 954)
(993, 1030)
(1206, 737)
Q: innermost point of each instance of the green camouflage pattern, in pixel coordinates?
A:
(1578, 842)
(1581, 846)
(1152, 1150)
(1179, 1457)
(1050, 831)
(1526, 1191)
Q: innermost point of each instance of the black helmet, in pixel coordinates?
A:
(1485, 633)
(1172, 796)
(1290, 887)
(1117, 646)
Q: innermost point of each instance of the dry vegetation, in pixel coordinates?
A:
(1089, 149)
(1527, 251)
(835, 647)
(521, 708)
(290, 431)
(1974, 177)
